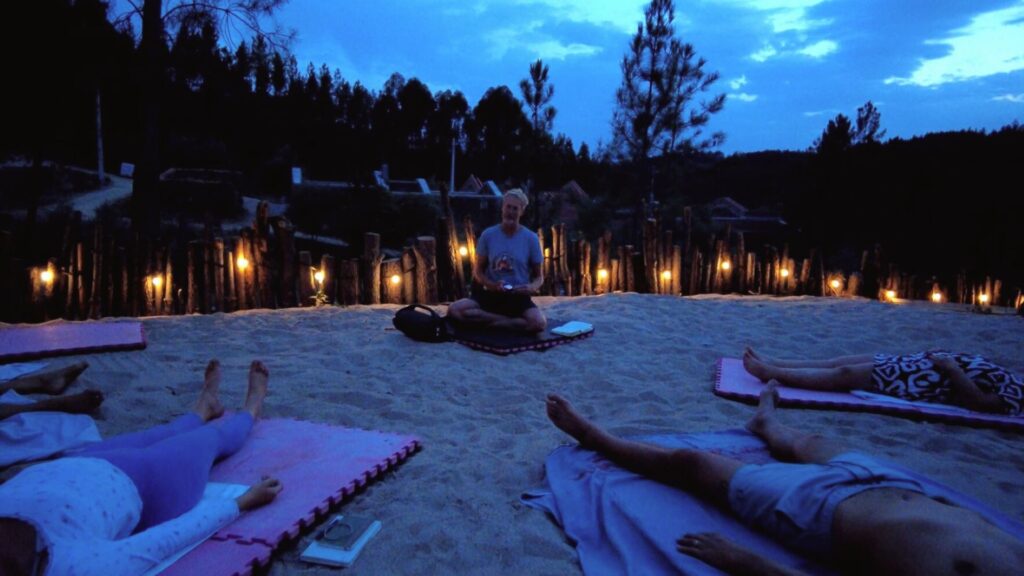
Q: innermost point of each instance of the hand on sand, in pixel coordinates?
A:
(260, 494)
(711, 548)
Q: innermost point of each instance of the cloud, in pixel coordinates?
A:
(784, 15)
(529, 37)
(816, 113)
(738, 83)
(990, 44)
(764, 54)
(743, 97)
(1015, 98)
(622, 15)
(819, 49)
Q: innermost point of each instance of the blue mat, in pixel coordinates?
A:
(622, 523)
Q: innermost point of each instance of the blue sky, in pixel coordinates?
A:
(787, 66)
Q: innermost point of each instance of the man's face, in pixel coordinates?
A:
(511, 210)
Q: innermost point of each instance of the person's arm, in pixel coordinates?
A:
(536, 280)
(480, 274)
(713, 549)
(965, 392)
(141, 552)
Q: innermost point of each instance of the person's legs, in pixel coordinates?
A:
(823, 363)
(836, 379)
(785, 443)
(46, 381)
(704, 473)
(172, 473)
(207, 408)
(535, 320)
(80, 403)
(469, 311)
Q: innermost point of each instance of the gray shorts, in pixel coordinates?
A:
(794, 503)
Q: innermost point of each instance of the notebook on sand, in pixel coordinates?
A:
(573, 328)
(341, 540)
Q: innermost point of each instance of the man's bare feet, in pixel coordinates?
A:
(81, 403)
(258, 377)
(208, 406)
(765, 408)
(727, 556)
(757, 367)
(564, 416)
(49, 380)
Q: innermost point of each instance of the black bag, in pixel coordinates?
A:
(429, 327)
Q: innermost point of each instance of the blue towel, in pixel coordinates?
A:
(623, 523)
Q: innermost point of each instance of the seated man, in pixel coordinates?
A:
(862, 515)
(507, 271)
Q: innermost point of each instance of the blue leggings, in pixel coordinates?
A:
(170, 464)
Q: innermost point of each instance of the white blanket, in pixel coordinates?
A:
(35, 435)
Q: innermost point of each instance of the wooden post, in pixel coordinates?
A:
(614, 276)
(232, 296)
(371, 267)
(349, 280)
(242, 273)
(330, 284)
(604, 263)
(426, 269)
(586, 282)
(286, 253)
(248, 274)
(167, 294)
(695, 272)
(260, 251)
(557, 286)
(205, 250)
(80, 300)
(123, 288)
(467, 229)
(218, 275)
(677, 269)
(649, 248)
(563, 260)
(629, 272)
(194, 303)
(392, 270)
(408, 275)
(307, 288)
(548, 267)
(96, 293)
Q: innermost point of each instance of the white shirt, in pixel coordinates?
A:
(84, 511)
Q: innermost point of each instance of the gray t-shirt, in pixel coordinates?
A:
(509, 258)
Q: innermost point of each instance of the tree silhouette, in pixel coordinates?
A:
(869, 122)
(656, 113)
(537, 95)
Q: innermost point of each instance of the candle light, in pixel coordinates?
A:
(726, 265)
(602, 274)
(46, 276)
(156, 281)
(835, 284)
(666, 275)
(395, 279)
(318, 276)
(890, 295)
(463, 251)
(784, 272)
(936, 297)
(243, 263)
(983, 299)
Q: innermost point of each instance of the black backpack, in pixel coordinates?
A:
(429, 327)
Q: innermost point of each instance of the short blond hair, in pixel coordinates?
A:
(519, 195)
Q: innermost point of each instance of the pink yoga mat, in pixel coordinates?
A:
(734, 382)
(61, 338)
(319, 466)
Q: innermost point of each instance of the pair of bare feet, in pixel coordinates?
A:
(758, 365)
(52, 381)
(209, 406)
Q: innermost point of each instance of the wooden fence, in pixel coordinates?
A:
(261, 268)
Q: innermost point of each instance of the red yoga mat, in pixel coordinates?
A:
(60, 338)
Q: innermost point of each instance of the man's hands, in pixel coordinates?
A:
(261, 493)
(713, 549)
(944, 363)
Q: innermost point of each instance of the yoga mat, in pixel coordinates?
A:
(734, 382)
(318, 464)
(504, 342)
(623, 523)
(60, 338)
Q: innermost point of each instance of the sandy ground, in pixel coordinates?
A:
(454, 506)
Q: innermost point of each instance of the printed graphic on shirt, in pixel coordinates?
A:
(503, 264)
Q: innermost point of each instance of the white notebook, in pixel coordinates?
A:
(321, 551)
(574, 328)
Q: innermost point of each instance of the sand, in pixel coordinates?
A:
(454, 507)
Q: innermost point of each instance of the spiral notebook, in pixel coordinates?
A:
(341, 540)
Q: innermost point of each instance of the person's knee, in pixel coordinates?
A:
(535, 322)
(459, 308)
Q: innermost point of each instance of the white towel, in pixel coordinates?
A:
(35, 435)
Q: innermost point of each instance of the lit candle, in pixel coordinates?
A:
(890, 294)
(666, 275)
(602, 274)
(983, 298)
(547, 252)
(835, 284)
(463, 251)
(243, 263)
(157, 281)
(784, 272)
(726, 265)
(936, 296)
(318, 276)
(395, 279)
(46, 276)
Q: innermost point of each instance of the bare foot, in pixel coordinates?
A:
(765, 408)
(49, 380)
(258, 377)
(208, 406)
(81, 403)
(756, 366)
(564, 416)
(713, 549)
